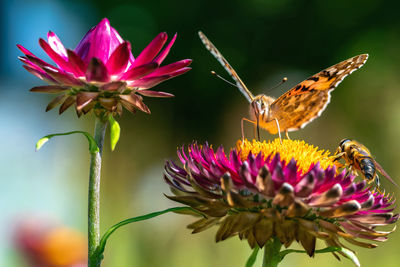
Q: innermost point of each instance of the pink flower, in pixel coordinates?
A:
(102, 73)
(290, 191)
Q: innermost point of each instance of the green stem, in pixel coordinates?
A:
(271, 253)
(94, 194)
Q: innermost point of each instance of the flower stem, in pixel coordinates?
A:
(94, 194)
(271, 253)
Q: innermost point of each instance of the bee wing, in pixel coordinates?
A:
(384, 173)
(214, 51)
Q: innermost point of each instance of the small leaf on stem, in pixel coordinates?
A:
(253, 257)
(351, 256)
(115, 131)
(93, 148)
(41, 142)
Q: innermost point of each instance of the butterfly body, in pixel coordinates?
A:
(298, 106)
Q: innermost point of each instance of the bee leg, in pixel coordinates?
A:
(279, 130)
(380, 192)
(287, 135)
(377, 181)
(350, 171)
(337, 156)
(378, 184)
(340, 165)
(242, 128)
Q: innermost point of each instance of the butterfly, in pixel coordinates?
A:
(298, 106)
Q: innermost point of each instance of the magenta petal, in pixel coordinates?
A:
(56, 45)
(115, 39)
(154, 93)
(148, 82)
(76, 63)
(160, 58)
(151, 50)
(24, 50)
(179, 72)
(30, 64)
(119, 58)
(82, 49)
(97, 71)
(145, 83)
(62, 77)
(100, 41)
(40, 74)
(60, 61)
(37, 61)
(139, 71)
(171, 68)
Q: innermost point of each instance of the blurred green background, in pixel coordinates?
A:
(263, 40)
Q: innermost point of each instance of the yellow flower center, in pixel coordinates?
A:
(304, 154)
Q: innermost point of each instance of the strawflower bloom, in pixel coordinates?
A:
(101, 73)
(268, 190)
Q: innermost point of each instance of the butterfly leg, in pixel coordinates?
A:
(255, 132)
(242, 128)
(287, 135)
(258, 128)
(279, 130)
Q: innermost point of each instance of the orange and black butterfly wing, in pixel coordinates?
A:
(306, 101)
(214, 51)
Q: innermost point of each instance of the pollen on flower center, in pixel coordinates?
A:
(305, 155)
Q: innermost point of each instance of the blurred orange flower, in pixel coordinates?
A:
(49, 245)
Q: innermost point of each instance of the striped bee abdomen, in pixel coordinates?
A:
(367, 167)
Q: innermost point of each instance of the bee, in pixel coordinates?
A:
(298, 106)
(359, 159)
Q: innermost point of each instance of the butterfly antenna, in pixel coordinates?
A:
(284, 79)
(222, 78)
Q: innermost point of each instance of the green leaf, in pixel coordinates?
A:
(345, 252)
(112, 229)
(93, 148)
(41, 142)
(115, 131)
(253, 257)
(351, 256)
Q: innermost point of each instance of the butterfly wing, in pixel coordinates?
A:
(306, 101)
(214, 51)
